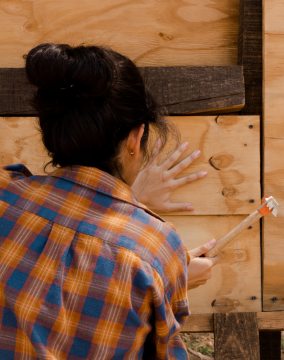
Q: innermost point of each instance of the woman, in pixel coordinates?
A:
(86, 271)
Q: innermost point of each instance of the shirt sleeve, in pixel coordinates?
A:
(170, 302)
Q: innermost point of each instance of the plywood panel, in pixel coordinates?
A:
(230, 154)
(151, 32)
(20, 142)
(236, 280)
(273, 286)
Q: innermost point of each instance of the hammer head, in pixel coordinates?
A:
(272, 205)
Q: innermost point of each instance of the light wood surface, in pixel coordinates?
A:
(233, 169)
(236, 281)
(21, 143)
(273, 286)
(230, 153)
(151, 32)
(204, 322)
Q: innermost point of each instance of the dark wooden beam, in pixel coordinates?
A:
(236, 336)
(250, 53)
(205, 89)
(179, 90)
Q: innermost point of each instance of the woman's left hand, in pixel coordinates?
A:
(155, 183)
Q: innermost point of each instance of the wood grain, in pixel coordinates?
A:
(178, 90)
(230, 155)
(236, 337)
(21, 143)
(202, 89)
(236, 280)
(273, 283)
(150, 32)
(204, 322)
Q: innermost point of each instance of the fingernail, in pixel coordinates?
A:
(184, 145)
(203, 173)
(196, 153)
(189, 206)
(212, 242)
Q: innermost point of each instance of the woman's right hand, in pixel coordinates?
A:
(200, 266)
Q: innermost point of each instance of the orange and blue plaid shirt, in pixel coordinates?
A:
(86, 271)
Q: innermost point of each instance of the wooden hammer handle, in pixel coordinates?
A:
(223, 241)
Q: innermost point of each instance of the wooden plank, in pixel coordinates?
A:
(236, 280)
(273, 246)
(230, 154)
(228, 189)
(179, 90)
(270, 345)
(186, 90)
(236, 336)
(269, 321)
(156, 33)
(250, 53)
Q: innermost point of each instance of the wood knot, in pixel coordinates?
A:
(221, 161)
(166, 37)
(229, 192)
(225, 304)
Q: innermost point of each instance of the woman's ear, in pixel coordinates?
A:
(133, 143)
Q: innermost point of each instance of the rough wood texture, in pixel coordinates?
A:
(250, 53)
(230, 154)
(185, 90)
(150, 32)
(179, 90)
(236, 337)
(236, 279)
(15, 93)
(204, 322)
(270, 345)
(273, 283)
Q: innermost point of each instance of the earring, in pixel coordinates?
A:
(131, 153)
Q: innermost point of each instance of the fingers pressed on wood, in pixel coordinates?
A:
(168, 163)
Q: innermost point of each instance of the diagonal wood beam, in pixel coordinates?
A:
(179, 90)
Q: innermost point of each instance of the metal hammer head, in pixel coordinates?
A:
(272, 205)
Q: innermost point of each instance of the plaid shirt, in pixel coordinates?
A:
(86, 272)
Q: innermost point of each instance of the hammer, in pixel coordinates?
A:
(269, 205)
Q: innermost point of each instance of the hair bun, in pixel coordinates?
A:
(86, 70)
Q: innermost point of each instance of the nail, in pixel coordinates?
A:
(184, 145)
(203, 173)
(196, 153)
(212, 242)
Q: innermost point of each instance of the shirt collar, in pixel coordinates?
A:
(101, 181)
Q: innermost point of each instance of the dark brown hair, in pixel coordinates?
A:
(88, 99)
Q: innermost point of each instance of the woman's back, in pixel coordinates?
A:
(86, 271)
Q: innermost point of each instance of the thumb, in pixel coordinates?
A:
(203, 249)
